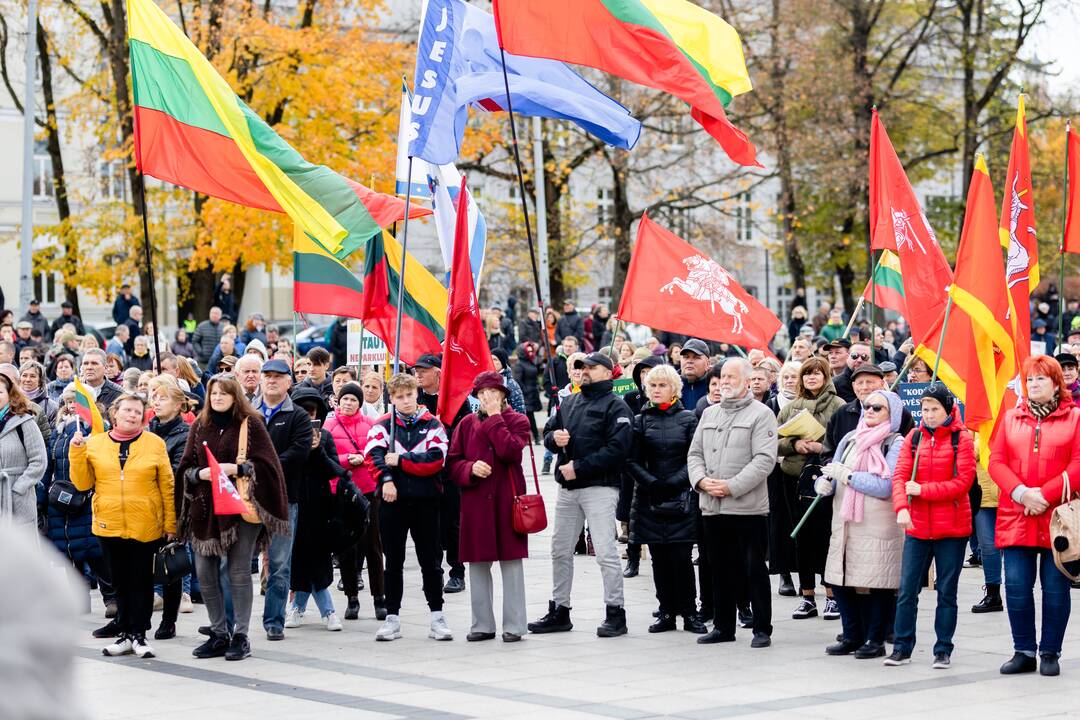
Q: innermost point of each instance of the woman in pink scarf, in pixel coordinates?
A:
(866, 545)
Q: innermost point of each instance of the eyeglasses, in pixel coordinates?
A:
(873, 406)
(859, 356)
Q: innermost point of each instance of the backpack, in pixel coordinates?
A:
(1065, 532)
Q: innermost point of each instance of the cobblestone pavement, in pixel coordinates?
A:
(317, 674)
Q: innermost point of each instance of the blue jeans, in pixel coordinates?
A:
(323, 600)
(1020, 564)
(991, 556)
(277, 583)
(948, 554)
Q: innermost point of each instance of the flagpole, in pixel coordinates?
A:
(854, 314)
(293, 343)
(611, 347)
(873, 304)
(401, 271)
(933, 379)
(528, 229)
(900, 375)
(1064, 217)
(150, 269)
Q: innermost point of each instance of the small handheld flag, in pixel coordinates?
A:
(226, 499)
(87, 409)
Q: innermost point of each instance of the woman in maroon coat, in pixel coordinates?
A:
(485, 461)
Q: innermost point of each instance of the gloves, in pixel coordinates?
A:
(823, 486)
(245, 469)
(837, 471)
(192, 477)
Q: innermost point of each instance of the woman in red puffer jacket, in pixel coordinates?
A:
(1036, 449)
(349, 427)
(933, 508)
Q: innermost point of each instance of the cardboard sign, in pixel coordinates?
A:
(373, 351)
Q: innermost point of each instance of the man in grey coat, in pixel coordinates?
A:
(732, 454)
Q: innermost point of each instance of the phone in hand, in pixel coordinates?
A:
(316, 426)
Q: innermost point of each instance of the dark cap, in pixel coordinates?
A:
(868, 369)
(351, 388)
(276, 366)
(693, 345)
(1066, 359)
(939, 392)
(229, 360)
(35, 301)
(66, 304)
(428, 361)
(490, 381)
(837, 343)
(595, 358)
(887, 367)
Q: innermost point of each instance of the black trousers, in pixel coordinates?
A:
(704, 571)
(131, 564)
(673, 576)
(420, 518)
(369, 547)
(451, 527)
(866, 616)
(737, 545)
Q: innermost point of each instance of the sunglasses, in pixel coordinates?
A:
(859, 356)
(873, 406)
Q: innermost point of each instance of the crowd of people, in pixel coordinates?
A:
(805, 466)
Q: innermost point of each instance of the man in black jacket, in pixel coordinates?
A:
(837, 352)
(570, 324)
(290, 431)
(591, 434)
(865, 379)
(339, 342)
(67, 315)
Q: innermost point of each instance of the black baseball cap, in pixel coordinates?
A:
(837, 343)
(597, 358)
(1066, 359)
(428, 361)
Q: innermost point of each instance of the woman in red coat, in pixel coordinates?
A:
(1036, 450)
(349, 427)
(933, 508)
(485, 461)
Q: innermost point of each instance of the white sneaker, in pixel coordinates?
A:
(390, 630)
(119, 646)
(142, 648)
(439, 628)
(294, 617)
(159, 602)
(332, 622)
(186, 606)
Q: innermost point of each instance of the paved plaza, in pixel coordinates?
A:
(577, 676)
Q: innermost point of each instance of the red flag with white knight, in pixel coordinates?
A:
(898, 223)
(1017, 232)
(1071, 243)
(465, 352)
(671, 285)
(226, 499)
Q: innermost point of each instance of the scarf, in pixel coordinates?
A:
(1042, 410)
(37, 393)
(868, 456)
(120, 436)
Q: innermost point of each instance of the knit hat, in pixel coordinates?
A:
(489, 381)
(504, 357)
(939, 392)
(351, 389)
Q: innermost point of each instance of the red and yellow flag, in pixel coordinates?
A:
(978, 356)
(1017, 232)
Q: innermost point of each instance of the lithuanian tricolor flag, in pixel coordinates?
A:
(889, 292)
(87, 409)
(192, 130)
(671, 45)
(424, 300)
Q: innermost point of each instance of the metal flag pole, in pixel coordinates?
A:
(1061, 249)
(548, 350)
(150, 269)
(26, 246)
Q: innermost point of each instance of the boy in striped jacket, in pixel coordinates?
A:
(410, 488)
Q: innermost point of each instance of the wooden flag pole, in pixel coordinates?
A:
(873, 303)
(854, 314)
(548, 349)
(150, 271)
(1064, 217)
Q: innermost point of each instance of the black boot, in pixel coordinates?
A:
(1049, 665)
(547, 466)
(215, 646)
(556, 620)
(380, 607)
(1020, 663)
(165, 631)
(991, 602)
(631, 570)
(352, 610)
(663, 623)
(614, 624)
(787, 587)
(746, 617)
(692, 623)
(239, 648)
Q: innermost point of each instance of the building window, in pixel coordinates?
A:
(112, 180)
(43, 173)
(605, 206)
(604, 292)
(744, 218)
(680, 222)
(45, 287)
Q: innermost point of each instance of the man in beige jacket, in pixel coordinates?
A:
(732, 454)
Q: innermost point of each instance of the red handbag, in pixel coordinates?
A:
(529, 513)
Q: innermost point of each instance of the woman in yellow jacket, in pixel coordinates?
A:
(129, 471)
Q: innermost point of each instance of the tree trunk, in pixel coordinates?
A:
(623, 221)
(70, 264)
